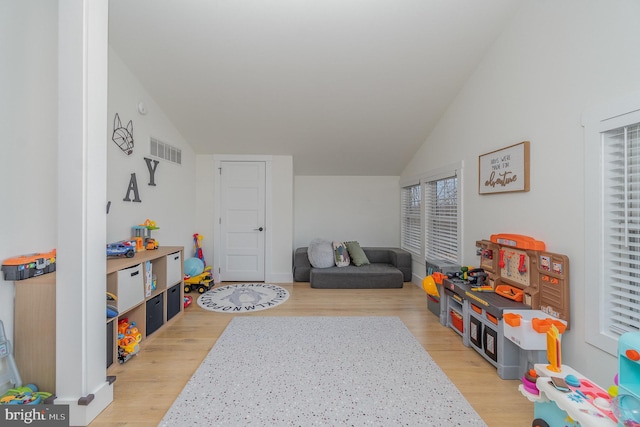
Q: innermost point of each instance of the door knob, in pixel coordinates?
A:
(259, 229)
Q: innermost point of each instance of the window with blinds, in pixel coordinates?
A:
(612, 221)
(441, 219)
(410, 213)
(621, 228)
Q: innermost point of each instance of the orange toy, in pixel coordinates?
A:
(518, 241)
(30, 265)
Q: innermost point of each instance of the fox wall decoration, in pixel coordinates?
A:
(123, 136)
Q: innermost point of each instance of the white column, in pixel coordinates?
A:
(81, 267)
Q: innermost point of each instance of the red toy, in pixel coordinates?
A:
(198, 248)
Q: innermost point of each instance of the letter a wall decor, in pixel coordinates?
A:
(133, 187)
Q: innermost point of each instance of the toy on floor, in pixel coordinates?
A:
(193, 266)
(9, 375)
(26, 395)
(187, 301)
(13, 393)
(197, 276)
(202, 282)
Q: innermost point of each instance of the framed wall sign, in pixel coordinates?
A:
(505, 170)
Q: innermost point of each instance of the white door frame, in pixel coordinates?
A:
(217, 212)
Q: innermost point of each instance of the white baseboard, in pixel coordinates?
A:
(417, 280)
(279, 278)
(82, 415)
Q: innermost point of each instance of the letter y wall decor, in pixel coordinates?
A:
(505, 170)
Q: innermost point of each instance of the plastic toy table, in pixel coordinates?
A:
(478, 318)
(587, 405)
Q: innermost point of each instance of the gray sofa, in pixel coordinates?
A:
(389, 268)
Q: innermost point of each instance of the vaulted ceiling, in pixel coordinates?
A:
(347, 87)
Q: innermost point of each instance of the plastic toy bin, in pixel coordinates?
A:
(155, 313)
(456, 320)
(174, 269)
(173, 300)
(130, 289)
(433, 304)
(528, 328)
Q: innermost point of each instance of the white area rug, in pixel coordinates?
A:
(327, 371)
(243, 297)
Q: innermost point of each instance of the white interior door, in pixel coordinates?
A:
(242, 221)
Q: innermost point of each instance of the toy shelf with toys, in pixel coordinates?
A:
(144, 293)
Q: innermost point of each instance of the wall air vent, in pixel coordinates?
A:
(165, 151)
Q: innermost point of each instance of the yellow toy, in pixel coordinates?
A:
(142, 236)
(554, 349)
(202, 282)
(129, 338)
(429, 286)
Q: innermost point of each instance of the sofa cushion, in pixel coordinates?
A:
(341, 254)
(358, 257)
(369, 276)
(301, 265)
(321, 253)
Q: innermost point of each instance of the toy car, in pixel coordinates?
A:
(121, 249)
(151, 244)
(202, 282)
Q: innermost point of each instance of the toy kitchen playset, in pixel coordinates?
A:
(564, 397)
(504, 308)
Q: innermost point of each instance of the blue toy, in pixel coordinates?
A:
(193, 266)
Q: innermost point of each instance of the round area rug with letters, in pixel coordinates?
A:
(243, 297)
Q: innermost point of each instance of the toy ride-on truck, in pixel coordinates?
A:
(202, 282)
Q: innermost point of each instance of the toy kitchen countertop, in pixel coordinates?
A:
(587, 405)
(491, 302)
(478, 317)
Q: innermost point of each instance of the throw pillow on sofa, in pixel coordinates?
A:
(320, 253)
(358, 257)
(341, 254)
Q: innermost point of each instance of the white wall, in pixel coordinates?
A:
(553, 62)
(28, 125)
(282, 200)
(362, 208)
(172, 201)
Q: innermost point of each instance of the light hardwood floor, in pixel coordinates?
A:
(147, 385)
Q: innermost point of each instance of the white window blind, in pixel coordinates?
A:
(441, 219)
(621, 228)
(410, 213)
